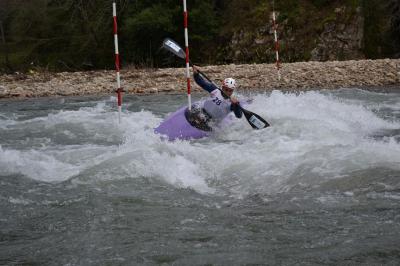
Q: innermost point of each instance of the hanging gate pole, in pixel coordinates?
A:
(117, 63)
(278, 67)
(185, 24)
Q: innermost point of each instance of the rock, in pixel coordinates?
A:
(390, 75)
(3, 92)
(17, 92)
(153, 90)
(300, 75)
(340, 39)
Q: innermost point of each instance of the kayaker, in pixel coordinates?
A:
(218, 106)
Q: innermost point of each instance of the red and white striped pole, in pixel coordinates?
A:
(185, 24)
(117, 64)
(278, 67)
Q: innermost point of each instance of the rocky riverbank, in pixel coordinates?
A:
(294, 76)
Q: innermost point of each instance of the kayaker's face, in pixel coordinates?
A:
(227, 91)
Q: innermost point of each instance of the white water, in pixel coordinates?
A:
(314, 137)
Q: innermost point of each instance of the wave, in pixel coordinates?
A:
(315, 137)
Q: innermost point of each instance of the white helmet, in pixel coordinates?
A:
(230, 83)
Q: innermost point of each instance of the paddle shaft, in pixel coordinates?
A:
(223, 93)
(256, 121)
(204, 75)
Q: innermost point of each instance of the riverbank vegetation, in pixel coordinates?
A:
(72, 35)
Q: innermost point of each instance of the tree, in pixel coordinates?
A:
(7, 7)
(394, 7)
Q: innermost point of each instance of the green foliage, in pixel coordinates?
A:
(394, 33)
(59, 34)
(321, 3)
(77, 34)
(143, 32)
(377, 36)
(146, 30)
(289, 10)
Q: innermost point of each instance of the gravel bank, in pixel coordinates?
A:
(295, 76)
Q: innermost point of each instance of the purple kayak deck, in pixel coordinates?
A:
(177, 127)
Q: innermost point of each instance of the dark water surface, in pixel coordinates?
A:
(321, 186)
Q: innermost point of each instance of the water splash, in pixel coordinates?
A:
(315, 136)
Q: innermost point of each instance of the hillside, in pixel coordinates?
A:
(77, 35)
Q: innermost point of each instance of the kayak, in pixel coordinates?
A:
(177, 126)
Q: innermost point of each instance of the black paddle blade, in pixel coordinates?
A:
(174, 48)
(256, 121)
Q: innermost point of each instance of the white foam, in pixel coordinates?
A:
(35, 164)
(314, 136)
(19, 201)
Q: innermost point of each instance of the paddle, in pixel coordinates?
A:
(256, 121)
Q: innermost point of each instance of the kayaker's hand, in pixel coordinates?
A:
(195, 69)
(234, 100)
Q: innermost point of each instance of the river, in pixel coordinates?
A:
(320, 186)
